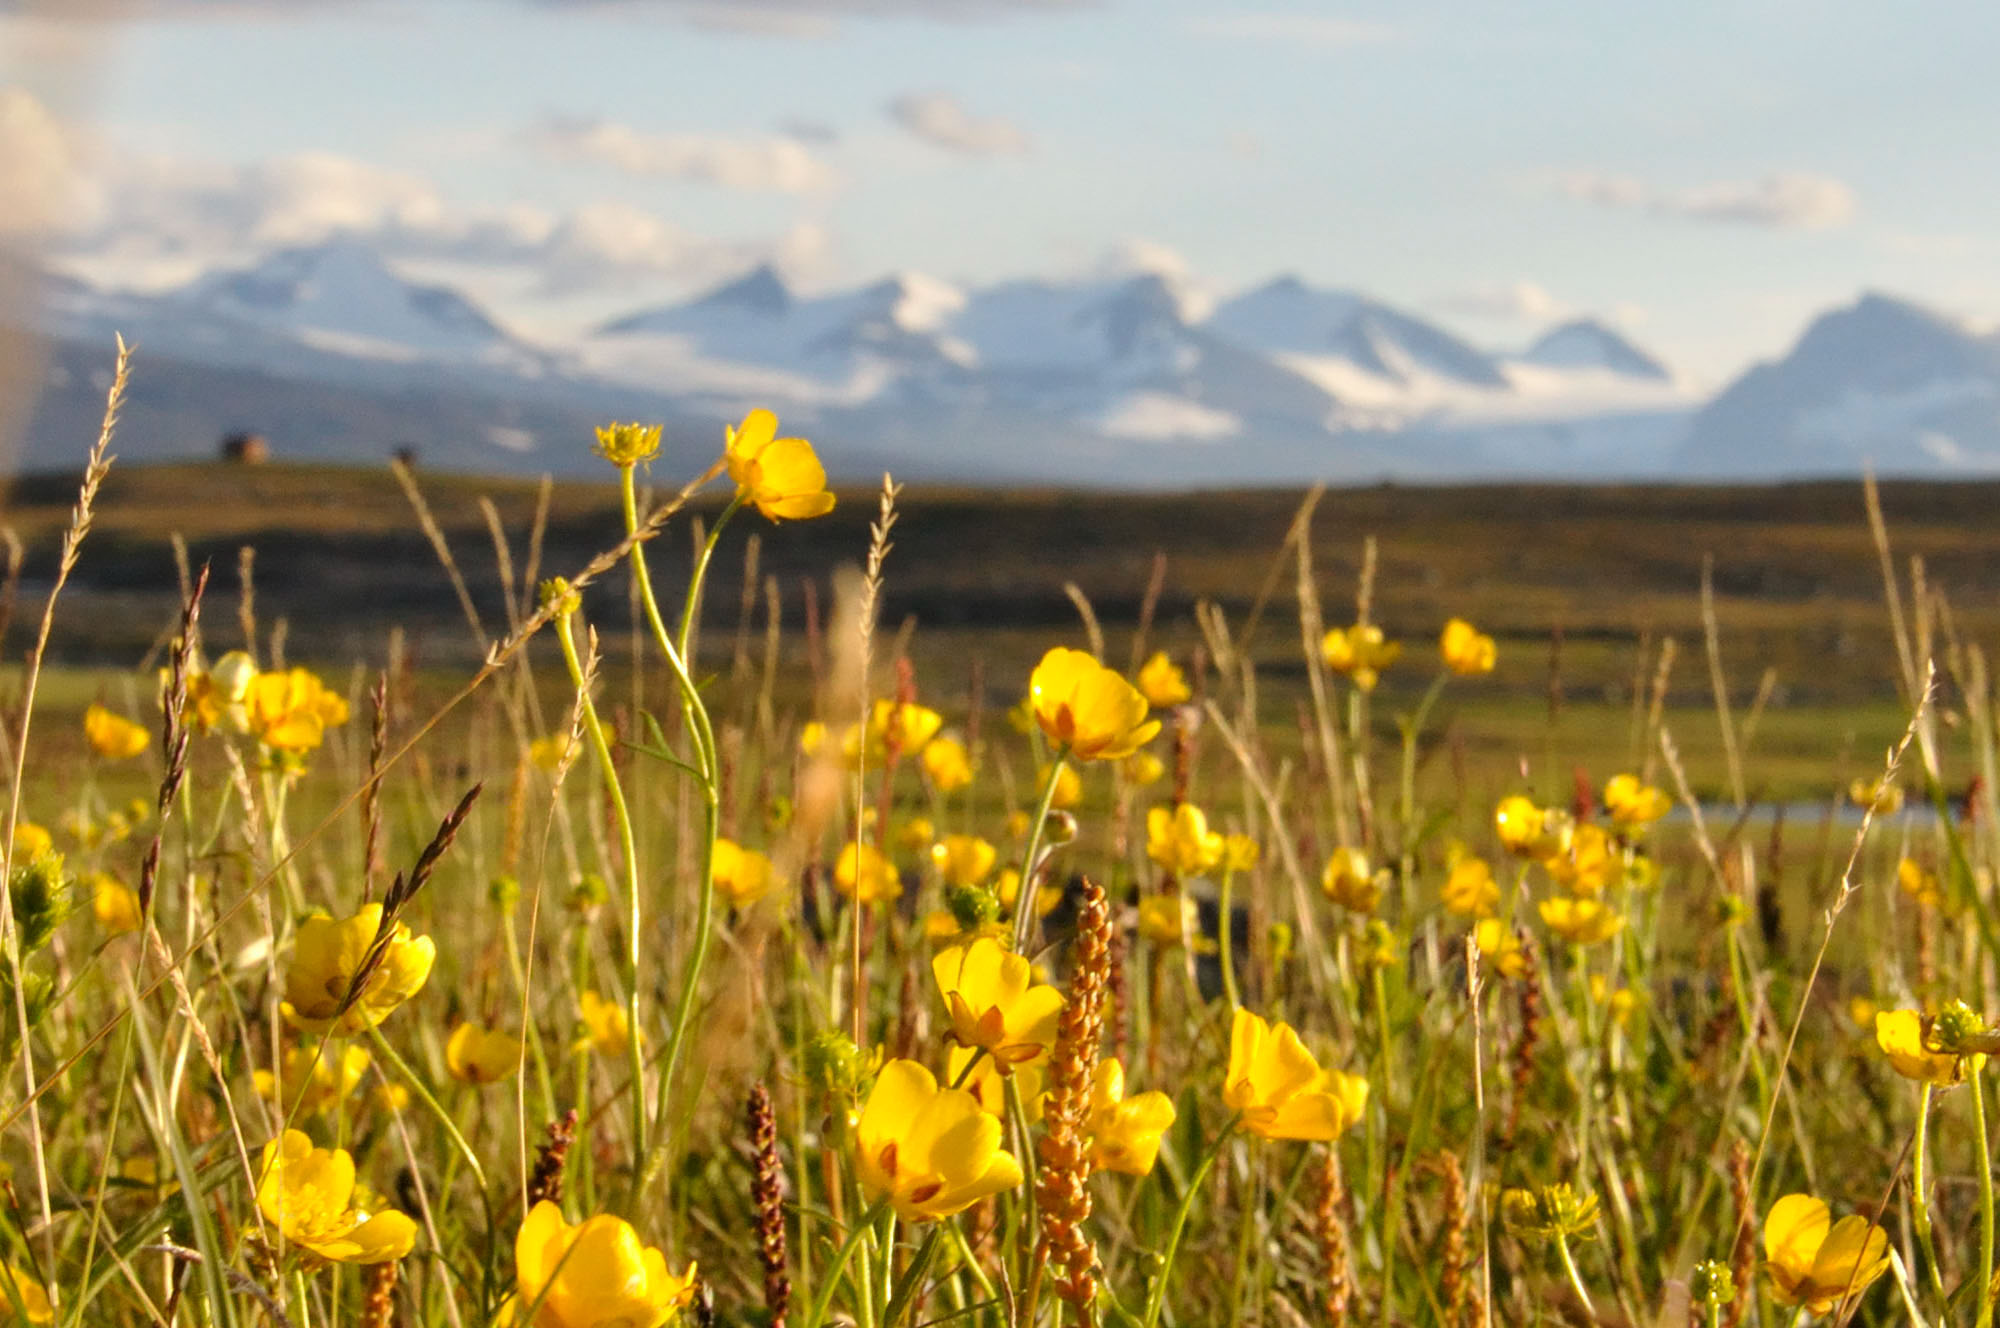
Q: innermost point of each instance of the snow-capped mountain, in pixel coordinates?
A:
(341, 295)
(329, 310)
(1589, 344)
(1882, 382)
(1137, 378)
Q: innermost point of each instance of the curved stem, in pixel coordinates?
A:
(1158, 1295)
(1920, 1203)
(1226, 932)
(1984, 1292)
(830, 1280)
(702, 731)
(1024, 903)
(628, 847)
(1575, 1278)
(1413, 729)
(415, 1084)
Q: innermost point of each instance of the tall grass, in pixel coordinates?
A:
(1605, 1027)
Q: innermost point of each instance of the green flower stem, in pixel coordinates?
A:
(911, 1284)
(1984, 1290)
(414, 1082)
(702, 732)
(1024, 903)
(1575, 1278)
(1245, 1232)
(1225, 932)
(1158, 1295)
(1739, 983)
(628, 846)
(830, 1281)
(1920, 1203)
(968, 1261)
(1413, 729)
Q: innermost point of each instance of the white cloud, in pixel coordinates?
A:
(42, 169)
(156, 221)
(939, 120)
(1136, 255)
(1782, 200)
(1524, 300)
(776, 164)
(1315, 30)
(777, 18)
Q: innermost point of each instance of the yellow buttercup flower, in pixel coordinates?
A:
(1500, 948)
(1470, 890)
(929, 1150)
(1068, 791)
(742, 875)
(1280, 1091)
(1467, 651)
(476, 1055)
(31, 841)
(963, 859)
(1528, 831)
(1087, 709)
(1619, 1002)
(1240, 853)
(947, 765)
(1162, 682)
(33, 1296)
(1350, 882)
(1178, 838)
(327, 955)
(215, 694)
(1884, 799)
(1818, 1263)
(1143, 769)
(627, 445)
(1901, 1035)
(308, 1194)
(995, 1001)
(1124, 1132)
(291, 711)
(782, 477)
(112, 736)
(987, 1082)
(1580, 920)
(1919, 883)
(1588, 863)
(864, 875)
(606, 1029)
(1168, 920)
(910, 725)
(596, 1274)
(313, 1078)
(1360, 652)
(115, 906)
(1634, 805)
(553, 751)
(1008, 889)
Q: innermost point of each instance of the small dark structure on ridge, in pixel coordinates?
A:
(245, 449)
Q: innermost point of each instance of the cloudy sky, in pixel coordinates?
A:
(1710, 173)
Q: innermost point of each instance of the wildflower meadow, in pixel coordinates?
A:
(649, 978)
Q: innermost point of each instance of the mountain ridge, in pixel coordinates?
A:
(1135, 378)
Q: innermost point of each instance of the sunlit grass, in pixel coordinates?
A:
(1354, 990)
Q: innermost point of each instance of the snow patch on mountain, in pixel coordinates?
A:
(1153, 416)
